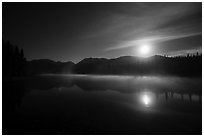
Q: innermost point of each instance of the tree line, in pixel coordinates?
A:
(13, 60)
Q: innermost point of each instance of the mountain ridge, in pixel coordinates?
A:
(123, 65)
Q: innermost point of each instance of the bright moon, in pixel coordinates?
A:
(146, 99)
(144, 50)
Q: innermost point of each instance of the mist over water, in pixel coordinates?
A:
(95, 104)
(136, 83)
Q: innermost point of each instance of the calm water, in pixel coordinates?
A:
(85, 104)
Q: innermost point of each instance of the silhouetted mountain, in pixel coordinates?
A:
(92, 66)
(43, 66)
(130, 65)
(15, 64)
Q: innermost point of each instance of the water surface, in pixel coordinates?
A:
(94, 104)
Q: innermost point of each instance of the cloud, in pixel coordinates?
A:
(166, 26)
(153, 39)
(133, 23)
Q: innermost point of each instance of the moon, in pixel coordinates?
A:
(144, 50)
(146, 100)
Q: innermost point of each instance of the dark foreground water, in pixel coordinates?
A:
(82, 104)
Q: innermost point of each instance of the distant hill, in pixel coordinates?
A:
(125, 65)
(43, 66)
(130, 65)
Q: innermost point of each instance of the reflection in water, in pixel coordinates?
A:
(103, 104)
(151, 99)
(146, 98)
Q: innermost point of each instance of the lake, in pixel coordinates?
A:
(97, 104)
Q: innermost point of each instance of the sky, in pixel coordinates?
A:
(74, 31)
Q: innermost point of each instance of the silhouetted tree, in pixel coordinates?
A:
(188, 55)
(13, 62)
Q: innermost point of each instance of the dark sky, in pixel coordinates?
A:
(73, 31)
